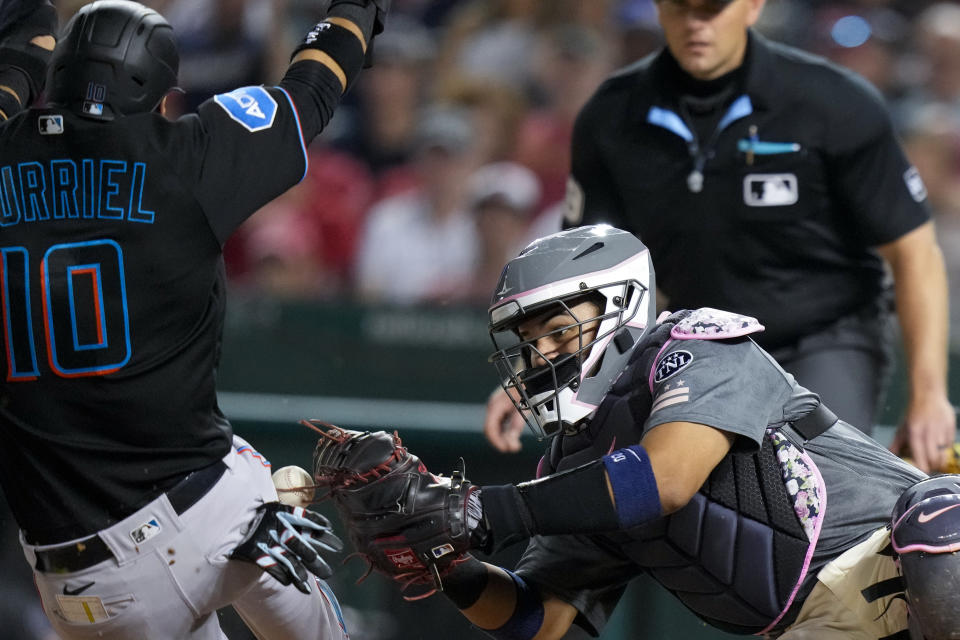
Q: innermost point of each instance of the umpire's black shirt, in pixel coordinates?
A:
(771, 211)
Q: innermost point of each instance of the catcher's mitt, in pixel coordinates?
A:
(408, 523)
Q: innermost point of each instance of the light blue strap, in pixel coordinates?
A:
(761, 148)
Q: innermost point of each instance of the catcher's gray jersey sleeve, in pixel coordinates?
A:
(580, 571)
(731, 385)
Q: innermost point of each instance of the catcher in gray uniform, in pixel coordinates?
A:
(678, 448)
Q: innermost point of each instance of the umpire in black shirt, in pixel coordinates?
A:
(768, 181)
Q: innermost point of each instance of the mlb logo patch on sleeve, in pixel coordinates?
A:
(252, 107)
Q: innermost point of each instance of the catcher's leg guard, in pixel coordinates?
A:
(926, 538)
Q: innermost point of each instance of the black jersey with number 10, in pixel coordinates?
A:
(113, 295)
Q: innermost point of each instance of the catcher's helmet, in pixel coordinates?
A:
(114, 58)
(593, 263)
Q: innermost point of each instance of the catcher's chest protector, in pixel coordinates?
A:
(737, 554)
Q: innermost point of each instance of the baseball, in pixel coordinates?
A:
(294, 486)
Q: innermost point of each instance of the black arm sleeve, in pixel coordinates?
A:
(316, 91)
(543, 507)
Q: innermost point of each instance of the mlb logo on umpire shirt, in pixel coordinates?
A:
(770, 190)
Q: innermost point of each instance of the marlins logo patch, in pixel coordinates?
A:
(770, 190)
(671, 364)
(252, 107)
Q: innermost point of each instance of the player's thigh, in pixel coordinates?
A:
(824, 617)
(136, 600)
(275, 612)
(849, 380)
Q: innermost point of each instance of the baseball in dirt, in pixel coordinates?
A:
(294, 486)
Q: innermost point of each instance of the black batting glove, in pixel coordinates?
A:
(287, 543)
(379, 17)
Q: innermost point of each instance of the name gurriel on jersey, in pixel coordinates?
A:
(78, 189)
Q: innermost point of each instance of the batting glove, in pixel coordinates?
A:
(287, 543)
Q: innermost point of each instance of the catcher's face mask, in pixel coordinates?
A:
(566, 314)
(544, 356)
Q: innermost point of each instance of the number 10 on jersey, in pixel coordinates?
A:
(83, 318)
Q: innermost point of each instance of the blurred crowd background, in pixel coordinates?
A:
(452, 151)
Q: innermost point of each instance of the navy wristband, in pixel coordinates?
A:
(527, 615)
(634, 486)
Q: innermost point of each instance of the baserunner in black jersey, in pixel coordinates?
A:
(137, 505)
(769, 182)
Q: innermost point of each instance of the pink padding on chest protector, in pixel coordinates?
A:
(713, 324)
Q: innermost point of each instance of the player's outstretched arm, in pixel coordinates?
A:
(641, 483)
(330, 58)
(27, 29)
(416, 527)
